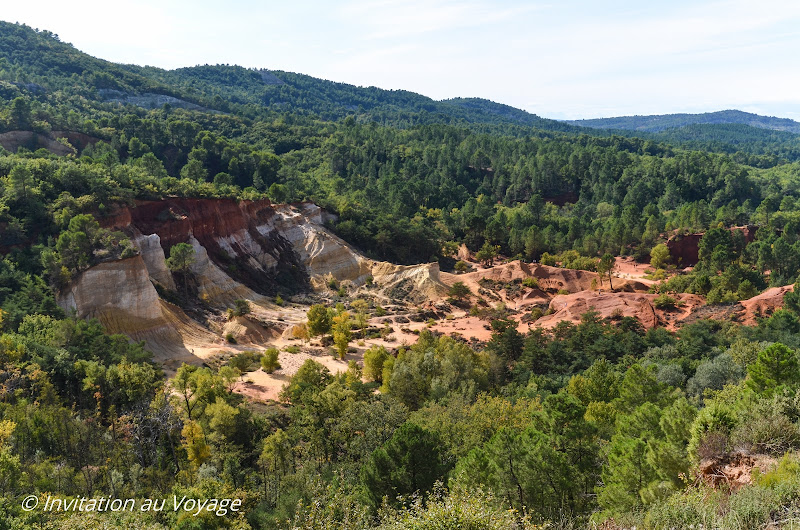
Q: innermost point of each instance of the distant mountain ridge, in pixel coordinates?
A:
(39, 60)
(661, 122)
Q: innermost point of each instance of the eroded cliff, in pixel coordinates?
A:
(243, 250)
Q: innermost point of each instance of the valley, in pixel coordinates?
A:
(353, 307)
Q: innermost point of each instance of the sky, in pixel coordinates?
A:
(559, 59)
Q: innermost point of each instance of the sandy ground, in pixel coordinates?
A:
(628, 268)
(260, 386)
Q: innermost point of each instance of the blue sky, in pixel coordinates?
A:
(559, 59)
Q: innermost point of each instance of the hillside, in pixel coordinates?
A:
(347, 307)
(656, 123)
(41, 60)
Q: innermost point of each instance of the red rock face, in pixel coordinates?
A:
(212, 222)
(684, 249)
(175, 219)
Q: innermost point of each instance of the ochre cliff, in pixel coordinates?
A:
(251, 249)
(243, 250)
(121, 296)
(684, 249)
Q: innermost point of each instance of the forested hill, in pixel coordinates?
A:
(40, 61)
(656, 123)
(592, 423)
(292, 92)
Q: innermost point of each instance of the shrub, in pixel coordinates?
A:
(300, 331)
(664, 301)
(547, 259)
(764, 428)
(279, 301)
(659, 256)
(531, 282)
(751, 507)
(459, 290)
(230, 338)
(269, 362)
(719, 295)
(710, 431)
(244, 361)
(241, 308)
(472, 508)
(319, 320)
(374, 359)
(714, 374)
(694, 508)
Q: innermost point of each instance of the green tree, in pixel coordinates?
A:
(269, 362)
(341, 333)
(487, 254)
(319, 320)
(374, 358)
(775, 367)
(194, 442)
(20, 181)
(310, 379)
(459, 291)
(659, 256)
(792, 299)
(275, 461)
(278, 192)
(607, 265)
(241, 308)
(181, 258)
(411, 461)
(194, 170)
(21, 112)
(360, 307)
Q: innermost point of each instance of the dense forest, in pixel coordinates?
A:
(671, 121)
(600, 422)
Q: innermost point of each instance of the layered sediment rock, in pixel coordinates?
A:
(249, 249)
(243, 250)
(121, 296)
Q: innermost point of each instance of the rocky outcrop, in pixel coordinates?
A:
(121, 296)
(615, 305)
(253, 249)
(243, 250)
(684, 249)
(763, 305)
(548, 278)
(245, 329)
(239, 253)
(13, 140)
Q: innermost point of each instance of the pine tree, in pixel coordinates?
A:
(775, 367)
